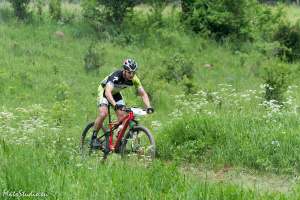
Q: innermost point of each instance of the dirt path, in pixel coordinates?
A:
(244, 178)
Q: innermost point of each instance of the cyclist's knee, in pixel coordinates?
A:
(103, 112)
(103, 115)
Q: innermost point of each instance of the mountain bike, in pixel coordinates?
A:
(125, 136)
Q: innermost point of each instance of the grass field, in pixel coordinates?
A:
(224, 127)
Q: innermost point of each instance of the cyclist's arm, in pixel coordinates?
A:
(144, 96)
(141, 91)
(108, 93)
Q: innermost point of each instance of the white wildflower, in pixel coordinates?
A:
(275, 143)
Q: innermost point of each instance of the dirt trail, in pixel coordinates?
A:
(244, 178)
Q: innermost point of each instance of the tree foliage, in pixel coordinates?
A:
(20, 8)
(289, 38)
(220, 18)
(101, 12)
(55, 9)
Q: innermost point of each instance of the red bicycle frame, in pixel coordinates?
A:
(114, 125)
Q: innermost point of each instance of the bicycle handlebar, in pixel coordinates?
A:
(136, 111)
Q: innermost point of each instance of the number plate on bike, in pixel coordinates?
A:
(138, 111)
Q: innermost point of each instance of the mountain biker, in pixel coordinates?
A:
(109, 94)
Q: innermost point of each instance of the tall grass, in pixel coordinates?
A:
(52, 170)
(238, 129)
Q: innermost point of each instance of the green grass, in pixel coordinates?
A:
(47, 97)
(61, 174)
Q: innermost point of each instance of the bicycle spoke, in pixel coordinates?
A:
(85, 143)
(140, 145)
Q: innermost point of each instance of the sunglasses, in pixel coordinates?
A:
(129, 72)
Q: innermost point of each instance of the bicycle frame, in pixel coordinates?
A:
(114, 125)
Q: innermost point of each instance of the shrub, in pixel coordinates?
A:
(55, 9)
(276, 77)
(155, 19)
(187, 8)
(177, 69)
(62, 91)
(219, 18)
(189, 86)
(39, 5)
(267, 21)
(102, 12)
(289, 38)
(93, 59)
(189, 138)
(20, 8)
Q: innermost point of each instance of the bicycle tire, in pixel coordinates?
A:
(142, 152)
(85, 139)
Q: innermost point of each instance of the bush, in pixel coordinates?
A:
(219, 18)
(100, 13)
(277, 78)
(93, 59)
(240, 139)
(289, 38)
(155, 19)
(20, 8)
(177, 69)
(187, 8)
(39, 5)
(186, 139)
(55, 9)
(268, 20)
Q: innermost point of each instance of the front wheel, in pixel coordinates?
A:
(138, 142)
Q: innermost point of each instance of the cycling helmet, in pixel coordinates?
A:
(130, 65)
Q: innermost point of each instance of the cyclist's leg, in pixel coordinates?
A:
(103, 111)
(119, 100)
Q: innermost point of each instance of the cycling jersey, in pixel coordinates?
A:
(119, 83)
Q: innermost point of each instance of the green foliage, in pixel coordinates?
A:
(178, 67)
(289, 38)
(39, 5)
(55, 9)
(58, 168)
(229, 134)
(234, 139)
(20, 8)
(94, 13)
(189, 86)
(155, 18)
(62, 91)
(277, 78)
(220, 18)
(94, 58)
(278, 1)
(61, 108)
(101, 13)
(187, 8)
(188, 139)
(267, 21)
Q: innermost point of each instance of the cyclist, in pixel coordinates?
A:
(109, 94)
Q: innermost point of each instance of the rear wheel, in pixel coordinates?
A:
(138, 143)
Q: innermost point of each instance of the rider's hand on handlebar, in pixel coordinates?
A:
(150, 110)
